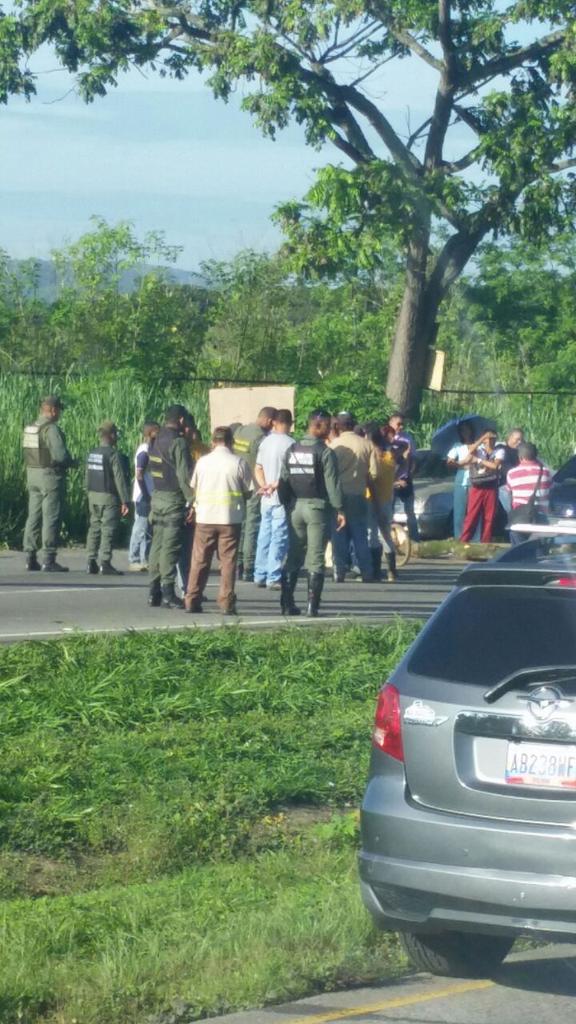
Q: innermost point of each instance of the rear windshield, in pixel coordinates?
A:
(485, 633)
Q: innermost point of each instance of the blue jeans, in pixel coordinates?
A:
(141, 537)
(355, 532)
(272, 546)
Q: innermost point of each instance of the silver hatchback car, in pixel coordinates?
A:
(469, 816)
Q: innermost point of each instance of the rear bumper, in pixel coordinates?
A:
(479, 875)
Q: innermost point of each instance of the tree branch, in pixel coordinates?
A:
(455, 166)
(446, 89)
(562, 165)
(413, 44)
(502, 65)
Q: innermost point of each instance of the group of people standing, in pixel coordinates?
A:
(265, 503)
(489, 472)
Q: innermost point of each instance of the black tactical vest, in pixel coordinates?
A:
(161, 465)
(100, 477)
(304, 463)
(36, 451)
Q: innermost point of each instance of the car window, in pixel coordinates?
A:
(428, 465)
(483, 634)
(567, 473)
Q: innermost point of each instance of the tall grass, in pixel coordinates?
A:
(548, 420)
(120, 396)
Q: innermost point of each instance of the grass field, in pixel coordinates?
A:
(178, 822)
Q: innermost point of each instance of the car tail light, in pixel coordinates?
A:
(567, 581)
(387, 735)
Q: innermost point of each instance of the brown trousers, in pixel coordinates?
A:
(208, 540)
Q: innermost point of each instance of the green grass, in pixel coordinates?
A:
(172, 746)
(177, 821)
(213, 939)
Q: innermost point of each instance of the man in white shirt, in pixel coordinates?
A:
(272, 545)
(221, 483)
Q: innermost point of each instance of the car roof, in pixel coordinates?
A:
(548, 559)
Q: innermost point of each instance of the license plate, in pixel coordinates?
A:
(541, 764)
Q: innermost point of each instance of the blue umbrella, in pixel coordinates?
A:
(447, 435)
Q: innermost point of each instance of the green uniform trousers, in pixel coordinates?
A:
(104, 520)
(45, 505)
(167, 539)
(308, 533)
(250, 530)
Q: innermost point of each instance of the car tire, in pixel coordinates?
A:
(456, 954)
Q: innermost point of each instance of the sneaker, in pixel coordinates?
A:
(260, 583)
(274, 586)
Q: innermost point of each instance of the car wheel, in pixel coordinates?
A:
(456, 954)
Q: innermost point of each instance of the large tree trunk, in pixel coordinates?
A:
(416, 327)
(414, 336)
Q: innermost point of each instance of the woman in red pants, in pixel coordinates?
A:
(483, 490)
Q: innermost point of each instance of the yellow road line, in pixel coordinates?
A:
(393, 1004)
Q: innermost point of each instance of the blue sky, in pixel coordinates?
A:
(163, 154)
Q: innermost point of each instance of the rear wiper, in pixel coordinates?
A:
(546, 673)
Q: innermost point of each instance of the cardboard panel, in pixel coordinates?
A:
(242, 405)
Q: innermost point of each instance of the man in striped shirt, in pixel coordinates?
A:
(530, 477)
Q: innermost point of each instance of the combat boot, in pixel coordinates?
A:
(287, 587)
(392, 575)
(32, 563)
(92, 567)
(315, 587)
(51, 565)
(107, 569)
(169, 597)
(155, 595)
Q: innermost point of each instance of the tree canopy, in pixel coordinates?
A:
(492, 156)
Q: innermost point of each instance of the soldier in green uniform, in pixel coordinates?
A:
(171, 467)
(310, 489)
(108, 486)
(246, 443)
(47, 460)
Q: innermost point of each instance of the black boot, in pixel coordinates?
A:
(376, 554)
(169, 597)
(32, 563)
(51, 565)
(107, 569)
(92, 567)
(392, 575)
(155, 595)
(315, 587)
(288, 586)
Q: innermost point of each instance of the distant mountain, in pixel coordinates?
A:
(48, 281)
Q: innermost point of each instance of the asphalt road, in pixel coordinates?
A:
(37, 605)
(530, 988)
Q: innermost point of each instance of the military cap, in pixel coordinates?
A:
(52, 400)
